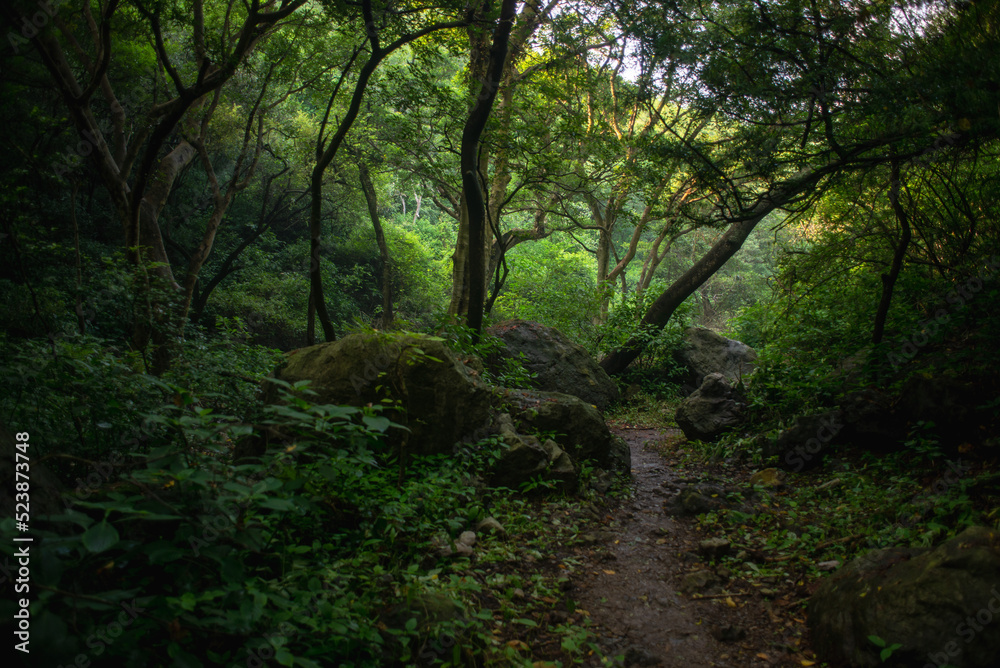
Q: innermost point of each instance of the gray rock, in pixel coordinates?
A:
(526, 458)
(710, 411)
(491, 525)
(698, 581)
(714, 548)
(696, 500)
(639, 656)
(937, 604)
(706, 352)
(559, 364)
(803, 445)
(577, 426)
(445, 402)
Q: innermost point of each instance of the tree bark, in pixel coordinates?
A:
(326, 152)
(889, 280)
(731, 241)
(371, 198)
(474, 127)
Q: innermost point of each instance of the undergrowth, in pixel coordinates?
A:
(323, 550)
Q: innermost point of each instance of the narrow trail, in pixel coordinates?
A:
(630, 585)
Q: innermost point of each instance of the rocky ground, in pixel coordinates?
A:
(655, 597)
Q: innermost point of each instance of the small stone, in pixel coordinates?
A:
(715, 547)
(831, 565)
(491, 525)
(467, 538)
(637, 656)
(772, 478)
(729, 633)
(517, 594)
(697, 581)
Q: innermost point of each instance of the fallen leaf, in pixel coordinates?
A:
(761, 655)
(807, 662)
(730, 602)
(607, 572)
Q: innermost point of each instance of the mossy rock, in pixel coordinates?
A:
(576, 426)
(939, 605)
(444, 401)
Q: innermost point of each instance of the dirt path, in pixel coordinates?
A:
(632, 577)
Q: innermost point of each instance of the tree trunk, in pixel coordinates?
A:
(889, 280)
(474, 127)
(459, 305)
(660, 311)
(317, 302)
(368, 188)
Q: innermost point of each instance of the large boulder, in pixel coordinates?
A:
(444, 402)
(576, 426)
(559, 364)
(940, 605)
(712, 410)
(705, 352)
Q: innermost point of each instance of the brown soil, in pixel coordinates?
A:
(630, 585)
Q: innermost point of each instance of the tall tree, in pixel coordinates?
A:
(815, 89)
(373, 22)
(132, 159)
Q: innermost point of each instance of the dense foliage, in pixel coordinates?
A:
(188, 188)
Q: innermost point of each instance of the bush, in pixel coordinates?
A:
(188, 557)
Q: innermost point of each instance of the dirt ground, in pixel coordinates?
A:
(631, 579)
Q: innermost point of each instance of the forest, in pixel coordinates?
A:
(369, 333)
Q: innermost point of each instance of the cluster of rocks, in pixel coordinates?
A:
(442, 400)
(716, 367)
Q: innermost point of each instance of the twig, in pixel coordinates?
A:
(706, 596)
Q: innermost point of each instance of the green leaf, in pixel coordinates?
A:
(282, 505)
(188, 601)
(100, 537)
(877, 641)
(376, 423)
(232, 570)
(162, 552)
